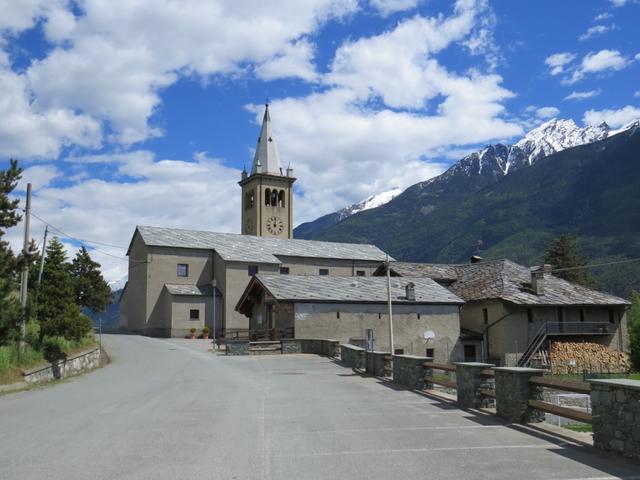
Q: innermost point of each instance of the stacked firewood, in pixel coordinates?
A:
(572, 357)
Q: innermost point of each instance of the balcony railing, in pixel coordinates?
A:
(579, 328)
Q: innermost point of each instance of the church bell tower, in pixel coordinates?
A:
(267, 193)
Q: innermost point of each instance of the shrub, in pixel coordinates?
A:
(54, 348)
(205, 331)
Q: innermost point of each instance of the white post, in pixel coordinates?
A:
(391, 349)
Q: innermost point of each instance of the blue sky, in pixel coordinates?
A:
(128, 113)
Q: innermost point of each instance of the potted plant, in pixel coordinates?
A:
(192, 332)
(205, 333)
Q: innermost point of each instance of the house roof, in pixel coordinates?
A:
(319, 289)
(234, 247)
(509, 281)
(191, 290)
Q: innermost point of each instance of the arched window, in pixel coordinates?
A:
(249, 200)
(267, 197)
(274, 198)
(281, 199)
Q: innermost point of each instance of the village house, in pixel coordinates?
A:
(511, 312)
(346, 309)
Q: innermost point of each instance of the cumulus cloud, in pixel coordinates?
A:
(113, 60)
(38, 176)
(547, 112)
(558, 61)
(615, 118)
(596, 30)
(637, 93)
(602, 16)
(578, 96)
(597, 62)
(387, 7)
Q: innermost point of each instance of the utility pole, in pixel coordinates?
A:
(391, 350)
(25, 268)
(44, 246)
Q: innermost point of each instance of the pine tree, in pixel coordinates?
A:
(564, 252)
(91, 289)
(10, 310)
(58, 313)
(633, 322)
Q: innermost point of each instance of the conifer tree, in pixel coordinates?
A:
(58, 313)
(564, 252)
(91, 289)
(10, 310)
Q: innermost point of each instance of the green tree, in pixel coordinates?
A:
(10, 310)
(91, 289)
(58, 313)
(633, 322)
(564, 252)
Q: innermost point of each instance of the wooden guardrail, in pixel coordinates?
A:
(565, 386)
(438, 381)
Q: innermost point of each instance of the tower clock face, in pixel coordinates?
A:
(248, 226)
(275, 226)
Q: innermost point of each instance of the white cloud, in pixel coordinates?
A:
(636, 93)
(598, 62)
(29, 131)
(602, 16)
(16, 16)
(39, 176)
(547, 112)
(615, 118)
(113, 61)
(296, 60)
(620, 3)
(596, 30)
(578, 96)
(558, 61)
(387, 7)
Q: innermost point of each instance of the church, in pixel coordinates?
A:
(262, 282)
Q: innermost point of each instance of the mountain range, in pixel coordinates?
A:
(511, 200)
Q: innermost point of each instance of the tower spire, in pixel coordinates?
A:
(266, 159)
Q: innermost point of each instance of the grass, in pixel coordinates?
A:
(578, 427)
(12, 362)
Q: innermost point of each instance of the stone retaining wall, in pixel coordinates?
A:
(615, 407)
(409, 371)
(378, 364)
(329, 348)
(352, 356)
(72, 365)
(237, 347)
(513, 392)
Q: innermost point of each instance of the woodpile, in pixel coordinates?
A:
(572, 357)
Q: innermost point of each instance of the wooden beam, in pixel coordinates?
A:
(444, 383)
(560, 384)
(566, 412)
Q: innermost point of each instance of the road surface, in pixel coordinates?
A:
(164, 409)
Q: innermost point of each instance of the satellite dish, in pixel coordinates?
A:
(429, 335)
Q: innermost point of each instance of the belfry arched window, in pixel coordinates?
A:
(249, 200)
(267, 197)
(274, 198)
(281, 198)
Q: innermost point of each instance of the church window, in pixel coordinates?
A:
(267, 197)
(361, 273)
(182, 270)
(281, 199)
(284, 270)
(324, 271)
(252, 270)
(249, 200)
(194, 314)
(274, 198)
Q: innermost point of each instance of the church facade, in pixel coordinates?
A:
(182, 279)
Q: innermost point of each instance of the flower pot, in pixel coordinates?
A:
(205, 336)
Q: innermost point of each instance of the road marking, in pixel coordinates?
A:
(390, 429)
(421, 450)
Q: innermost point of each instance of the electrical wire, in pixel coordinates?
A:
(595, 265)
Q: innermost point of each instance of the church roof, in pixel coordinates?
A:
(234, 247)
(336, 289)
(266, 157)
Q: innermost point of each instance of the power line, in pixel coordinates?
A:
(594, 265)
(79, 240)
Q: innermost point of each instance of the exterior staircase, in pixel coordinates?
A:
(538, 341)
(266, 347)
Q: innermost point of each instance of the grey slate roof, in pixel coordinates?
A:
(234, 247)
(308, 288)
(192, 290)
(507, 280)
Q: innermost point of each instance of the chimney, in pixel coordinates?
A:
(410, 289)
(475, 259)
(537, 279)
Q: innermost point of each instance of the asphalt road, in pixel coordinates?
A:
(166, 410)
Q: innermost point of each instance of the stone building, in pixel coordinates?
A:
(175, 274)
(343, 308)
(514, 310)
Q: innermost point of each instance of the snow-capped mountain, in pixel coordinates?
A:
(370, 202)
(473, 172)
